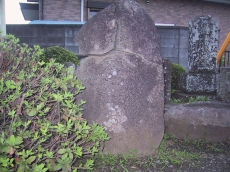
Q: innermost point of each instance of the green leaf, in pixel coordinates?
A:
(6, 149)
(18, 140)
(62, 151)
(71, 156)
(83, 102)
(58, 167)
(33, 112)
(11, 140)
(12, 113)
(58, 97)
(40, 106)
(41, 63)
(78, 151)
(26, 134)
(89, 164)
(39, 167)
(21, 168)
(49, 154)
(46, 109)
(10, 84)
(64, 156)
(31, 159)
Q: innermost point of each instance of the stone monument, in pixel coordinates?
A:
(123, 75)
(203, 48)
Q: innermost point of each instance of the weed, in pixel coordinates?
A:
(198, 99)
(192, 99)
(176, 100)
(213, 148)
(172, 151)
(173, 91)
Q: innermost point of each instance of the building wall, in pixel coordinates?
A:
(62, 10)
(2, 18)
(46, 35)
(178, 12)
(174, 40)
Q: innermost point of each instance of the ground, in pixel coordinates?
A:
(173, 155)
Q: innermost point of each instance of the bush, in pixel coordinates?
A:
(41, 125)
(61, 55)
(176, 71)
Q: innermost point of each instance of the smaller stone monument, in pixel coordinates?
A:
(203, 48)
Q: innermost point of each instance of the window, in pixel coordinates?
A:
(95, 6)
(92, 12)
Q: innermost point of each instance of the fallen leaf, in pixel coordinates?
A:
(11, 151)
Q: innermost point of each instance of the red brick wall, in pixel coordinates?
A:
(178, 12)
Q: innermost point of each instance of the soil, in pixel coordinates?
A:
(174, 156)
(208, 157)
(212, 159)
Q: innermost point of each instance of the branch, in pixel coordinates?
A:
(19, 109)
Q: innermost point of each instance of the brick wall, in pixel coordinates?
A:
(62, 10)
(178, 12)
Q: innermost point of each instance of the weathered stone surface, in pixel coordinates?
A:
(198, 82)
(167, 65)
(124, 84)
(203, 47)
(223, 90)
(203, 44)
(199, 121)
(98, 38)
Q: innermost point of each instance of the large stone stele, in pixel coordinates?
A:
(123, 75)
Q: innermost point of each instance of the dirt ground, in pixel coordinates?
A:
(172, 156)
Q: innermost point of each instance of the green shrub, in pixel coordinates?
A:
(61, 55)
(41, 125)
(176, 71)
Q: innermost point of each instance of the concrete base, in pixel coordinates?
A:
(198, 82)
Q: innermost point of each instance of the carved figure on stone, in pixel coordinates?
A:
(123, 75)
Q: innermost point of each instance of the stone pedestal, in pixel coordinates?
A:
(203, 47)
(198, 82)
(223, 90)
(209, 121)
